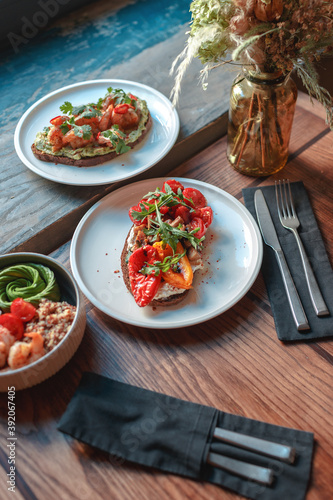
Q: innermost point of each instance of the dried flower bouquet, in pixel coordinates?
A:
(268, 35)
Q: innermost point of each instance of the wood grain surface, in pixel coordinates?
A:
(123, 39)
(233, 362)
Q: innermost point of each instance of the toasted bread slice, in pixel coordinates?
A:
(167, 301)
(89, 161)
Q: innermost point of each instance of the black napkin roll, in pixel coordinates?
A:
(175, 436)
(309, 232)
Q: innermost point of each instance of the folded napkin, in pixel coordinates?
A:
(313, 243)
(175, 436)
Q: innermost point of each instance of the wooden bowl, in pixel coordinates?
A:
(53, 361)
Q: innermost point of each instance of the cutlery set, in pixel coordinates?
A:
(262, 475)
(289, 220)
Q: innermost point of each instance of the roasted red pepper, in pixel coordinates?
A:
(144, 286)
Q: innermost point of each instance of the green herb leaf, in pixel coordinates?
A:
(168, 199)
(169, 262)
(116, 137)
(169, 234)
(120, 96)
(66, 108)
(86, 111)
(83, 131)
(100, 103)
(64, 127)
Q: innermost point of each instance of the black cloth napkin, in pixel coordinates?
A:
(173, 435)
(313, 243)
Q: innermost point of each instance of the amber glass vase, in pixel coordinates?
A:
(261, 113)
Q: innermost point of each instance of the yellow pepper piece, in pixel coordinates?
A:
(181, 279)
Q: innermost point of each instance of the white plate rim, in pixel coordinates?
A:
(109, 81)
(178, 324)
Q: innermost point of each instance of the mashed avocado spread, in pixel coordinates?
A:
(42, 144)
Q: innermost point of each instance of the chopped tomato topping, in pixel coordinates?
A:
(175, 185)
(183, 212)
(204, 213)
(198, 223)
(194, 198)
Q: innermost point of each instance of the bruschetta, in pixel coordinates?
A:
(91, 134)
(164, 246)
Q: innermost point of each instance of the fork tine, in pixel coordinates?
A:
(291, 201)
(286, 200)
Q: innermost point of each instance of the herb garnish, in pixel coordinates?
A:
(121, 97)
(169, 262)
(116, 137)
(169, 199)
(83, 131)
(169, 234)
(84, 111)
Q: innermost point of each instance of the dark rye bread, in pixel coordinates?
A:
(90, 161)
(168, 301)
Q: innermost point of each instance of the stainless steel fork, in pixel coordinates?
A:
(289, 220)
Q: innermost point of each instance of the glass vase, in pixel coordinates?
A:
(261, 113)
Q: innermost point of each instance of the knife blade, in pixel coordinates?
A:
(271, 239)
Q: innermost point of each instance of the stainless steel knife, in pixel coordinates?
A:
(270, 238)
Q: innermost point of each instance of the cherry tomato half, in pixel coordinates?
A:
(22, 309)
(206, 214)
(183, 212)
(136, 208)
(197, 222)
(175, 185)
(144, 286)
(13, 324)
(194, 198)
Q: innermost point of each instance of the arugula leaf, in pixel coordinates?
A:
(169, 199)
(169, 234)
(66, 108)
(169, 262)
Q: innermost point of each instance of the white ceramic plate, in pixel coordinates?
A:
(233, 256)
(152, 149)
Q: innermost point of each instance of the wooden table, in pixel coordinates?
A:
(133, 40)
(233, 362)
